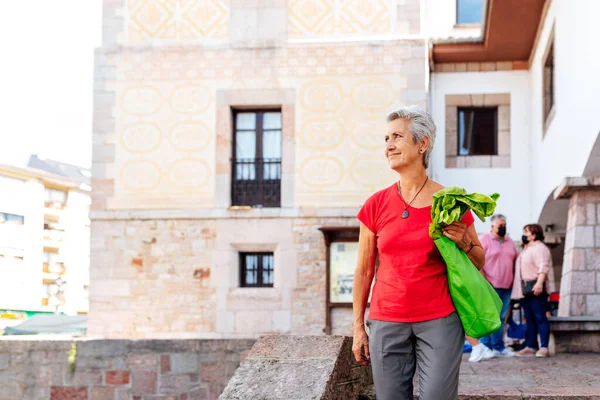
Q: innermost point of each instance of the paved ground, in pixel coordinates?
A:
(564, 376)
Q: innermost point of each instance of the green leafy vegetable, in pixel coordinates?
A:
(451, 203)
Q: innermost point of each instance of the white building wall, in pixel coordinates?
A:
(514, 183)
(21, 286)
(33, 198)
(76, 250)
(565, 148)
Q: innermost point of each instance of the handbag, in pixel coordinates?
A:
(527, 287)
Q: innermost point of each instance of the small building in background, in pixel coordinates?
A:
(44, 240)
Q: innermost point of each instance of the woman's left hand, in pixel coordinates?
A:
(457, 232)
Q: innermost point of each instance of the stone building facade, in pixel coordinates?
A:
(235, 140)
(169, 236)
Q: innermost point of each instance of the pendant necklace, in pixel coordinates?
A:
(405, 213)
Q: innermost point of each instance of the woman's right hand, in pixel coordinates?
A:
(360, 347)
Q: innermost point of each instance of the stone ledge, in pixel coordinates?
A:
(576, 334)
(299, 367)
(571, 185)
(569, 324)
(224, 213)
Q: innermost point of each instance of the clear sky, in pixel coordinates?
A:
(46, 79)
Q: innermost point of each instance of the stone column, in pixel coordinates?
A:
(580, 285)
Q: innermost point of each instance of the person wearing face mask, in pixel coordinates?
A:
(532, 283)
(500, 256)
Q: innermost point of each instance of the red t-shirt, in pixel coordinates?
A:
(411, 283)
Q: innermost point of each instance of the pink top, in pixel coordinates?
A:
(533, 260)
(500, 256)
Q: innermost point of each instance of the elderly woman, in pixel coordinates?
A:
(532, 284)
(412, 321)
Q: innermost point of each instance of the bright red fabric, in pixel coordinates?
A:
(411, 284)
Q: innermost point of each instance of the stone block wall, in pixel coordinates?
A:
(168, 78)
(179, 277)
(580, 285)
(119, 369)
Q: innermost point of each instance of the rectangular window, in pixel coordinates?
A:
(12, 219)
(54, 196)
(469, 11)
(256, 168)
(477, 131)
(548, 81)
(256, 269)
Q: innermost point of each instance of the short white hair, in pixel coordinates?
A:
(421, 126)
(497, 216)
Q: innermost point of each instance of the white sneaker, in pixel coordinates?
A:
(504, 353)
(480, 352)
(488, 353)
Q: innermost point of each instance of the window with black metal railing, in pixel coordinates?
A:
(256, 165)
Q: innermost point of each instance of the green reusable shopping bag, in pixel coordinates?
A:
(475, 300)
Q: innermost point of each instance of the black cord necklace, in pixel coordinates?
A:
(405, 213)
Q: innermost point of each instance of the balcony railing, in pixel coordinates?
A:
(256, 182)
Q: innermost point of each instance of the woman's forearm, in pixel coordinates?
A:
(363, 275)
(477, 256)
(541, 278)
(360, 294)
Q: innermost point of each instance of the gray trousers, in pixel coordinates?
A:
(435, 347)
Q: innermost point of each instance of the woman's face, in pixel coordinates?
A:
(400, 149)
(529, 235)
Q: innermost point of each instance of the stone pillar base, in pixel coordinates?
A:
(576, 334)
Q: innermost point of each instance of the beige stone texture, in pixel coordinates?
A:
(327, 18)
(173, 129)
(501, 161)
(490, 66)
(451, 162)
(504, 143)
(473, 67)
(479, 67)
(259, 25)
(496, 99)
(503, 66)
(477, 100)
(478, 162)
(165, 241)
(451, 145)
(451, 119)
(458, 100)
(582, 254)
(173, 20)
(504, 118)
(147, 274)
